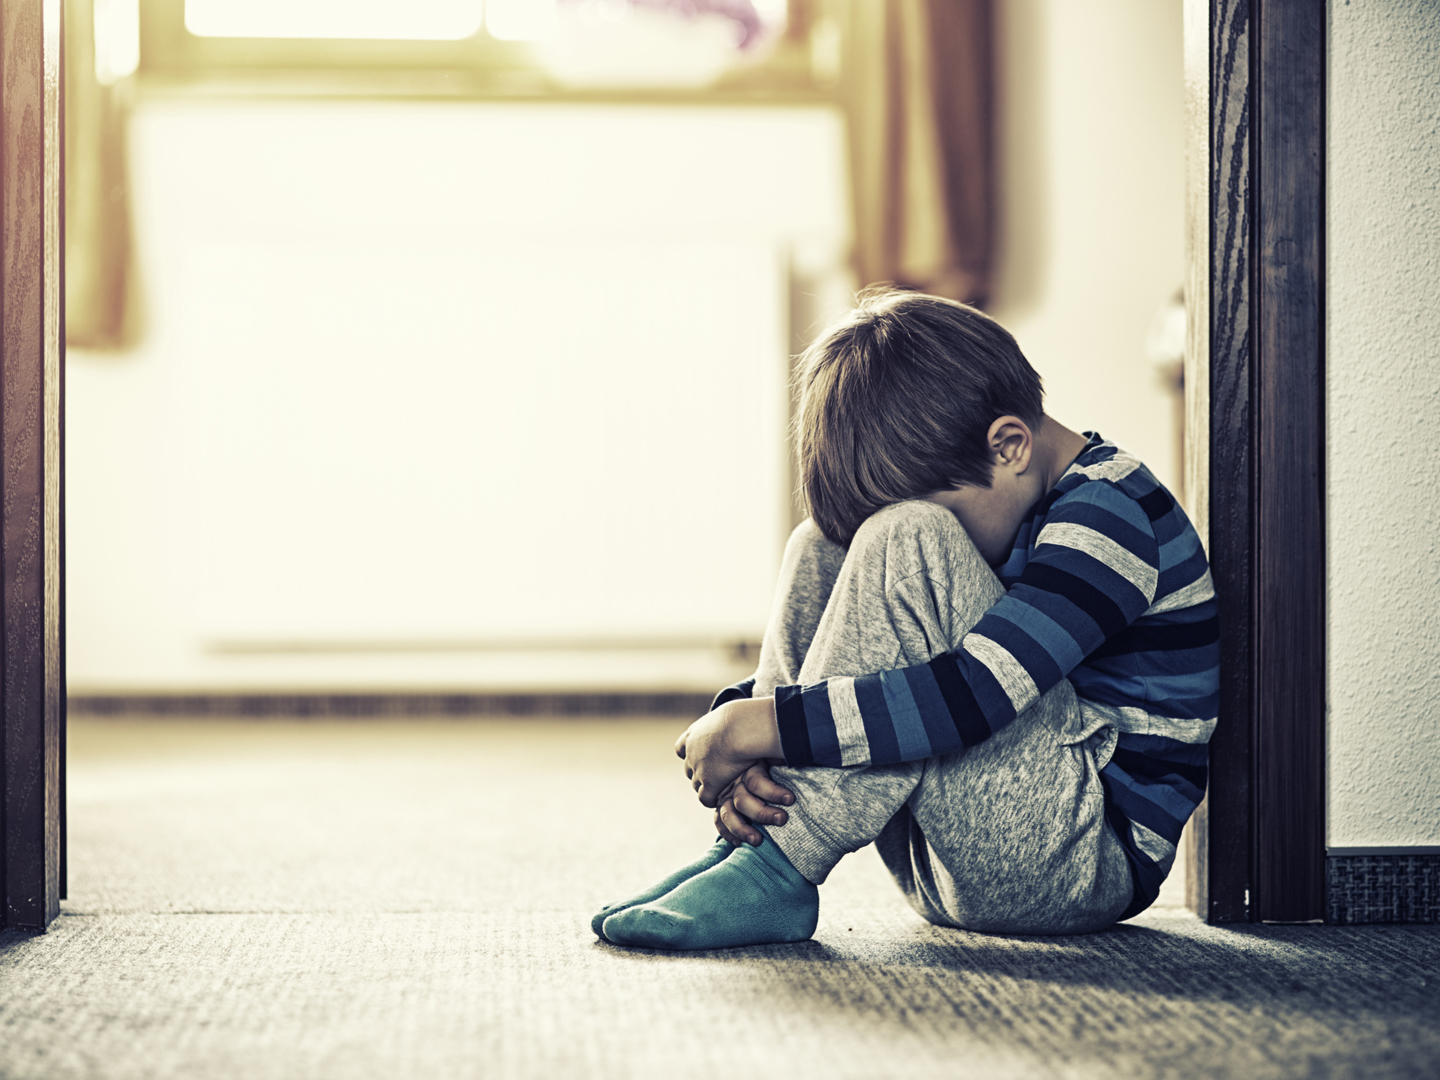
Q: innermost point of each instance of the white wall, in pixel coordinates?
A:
(1092, 170)
(430, 391)
(1382, 406)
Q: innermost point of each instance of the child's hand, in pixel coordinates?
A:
(746, 801)
(722, 744)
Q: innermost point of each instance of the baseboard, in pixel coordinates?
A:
(392, 705)
(1382, 885)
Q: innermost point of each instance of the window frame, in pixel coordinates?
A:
(477, 67)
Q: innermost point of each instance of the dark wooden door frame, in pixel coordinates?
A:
(32, 699)
(1262, 829)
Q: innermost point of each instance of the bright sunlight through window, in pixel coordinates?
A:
(117, 40)
(522, 20)
(415, 20)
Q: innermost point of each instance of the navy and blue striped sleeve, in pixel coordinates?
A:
(1094, 570)
(735, 691)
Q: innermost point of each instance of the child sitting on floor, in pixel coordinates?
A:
(993, 653)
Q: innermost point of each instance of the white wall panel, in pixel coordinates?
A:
(424, 380)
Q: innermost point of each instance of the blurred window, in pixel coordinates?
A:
(116, 27)
(756, 50)
(444, 20)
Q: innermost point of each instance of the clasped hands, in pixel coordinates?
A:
(727, 755)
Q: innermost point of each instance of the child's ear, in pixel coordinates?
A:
(1011, 442)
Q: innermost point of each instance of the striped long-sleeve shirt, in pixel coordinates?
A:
(1107, 585)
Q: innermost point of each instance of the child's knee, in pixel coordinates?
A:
(917, 540)
(808, 542)
(910, 522)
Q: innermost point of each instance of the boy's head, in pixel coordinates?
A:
(897, 400)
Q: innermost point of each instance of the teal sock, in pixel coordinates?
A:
(712, 857)
(755, 897)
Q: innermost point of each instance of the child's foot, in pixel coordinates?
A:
(755, 897)
(712, 857)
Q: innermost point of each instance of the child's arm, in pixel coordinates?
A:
(1093, 572)
(719, 747)
(727, 755)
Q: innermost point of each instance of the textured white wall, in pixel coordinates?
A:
(1383, 402)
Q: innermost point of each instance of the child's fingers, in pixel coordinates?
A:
(733, 826)
(724, 831)
(758, 781)
(755, 809)
(706, 793)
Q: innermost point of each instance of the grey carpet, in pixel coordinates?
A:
(390, 899)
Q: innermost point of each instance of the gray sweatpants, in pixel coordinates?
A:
(1009, 836)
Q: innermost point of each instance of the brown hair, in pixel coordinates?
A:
(896, 402)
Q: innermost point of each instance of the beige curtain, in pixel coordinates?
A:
(920, 103)
(100, 297)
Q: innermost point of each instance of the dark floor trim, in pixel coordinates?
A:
(346, 706)
(1384, 888)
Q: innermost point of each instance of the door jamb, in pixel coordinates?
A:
(32, 699)
(1255, 373)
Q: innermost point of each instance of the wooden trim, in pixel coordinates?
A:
(1195, 429)
(1264, 817)
(1288, 632)
(1229, 823)
(683, 705)
(30, 352)
(60, 689)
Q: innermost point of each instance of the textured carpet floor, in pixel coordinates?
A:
(398, 900)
